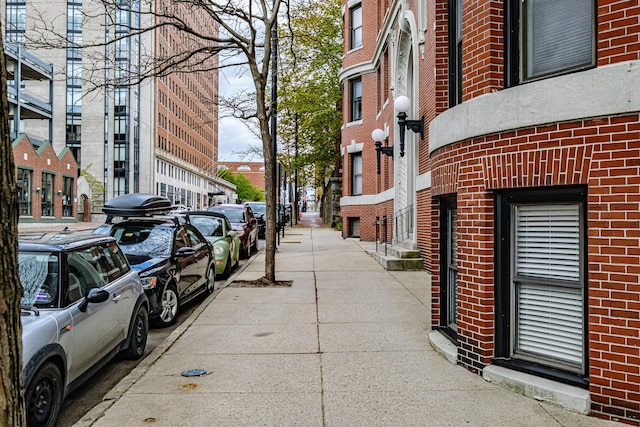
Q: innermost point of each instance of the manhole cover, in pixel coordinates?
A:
(194, 373)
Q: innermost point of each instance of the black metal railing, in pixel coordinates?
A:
(382, 235)
(403, 220)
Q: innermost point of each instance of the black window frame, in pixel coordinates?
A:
(353, 30)
(502, 279)
(25, 185)
(447, 203)
(355, 102)
(455, 52)
(514, 40)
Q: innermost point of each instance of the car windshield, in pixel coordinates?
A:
(234, 215)
(259, 208)
(39, 278)
(143, 240)
(208, 225)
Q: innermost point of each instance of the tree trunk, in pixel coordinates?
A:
(12, 411)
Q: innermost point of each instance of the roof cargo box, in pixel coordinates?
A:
(137, 204)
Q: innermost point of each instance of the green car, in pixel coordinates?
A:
(216, 228)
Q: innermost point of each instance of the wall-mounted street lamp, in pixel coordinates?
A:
(403, 104)
(378, 137)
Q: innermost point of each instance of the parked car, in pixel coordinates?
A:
(175, 261)
(260, 212)
(216, 228)
(244, 222)
(82, 305)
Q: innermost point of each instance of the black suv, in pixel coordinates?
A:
(174, 260)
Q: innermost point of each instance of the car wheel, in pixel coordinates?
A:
(139, 333)
(169, 305)
(246, 252)
(210, 284)
(43, 397)
(227, 268)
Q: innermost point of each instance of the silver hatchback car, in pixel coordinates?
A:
(82, 305)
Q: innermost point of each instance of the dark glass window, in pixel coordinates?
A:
(356, 99)
(355, 23)
(546, 38)
(455, 52)
(24, 181)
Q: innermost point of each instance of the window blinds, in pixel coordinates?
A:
(547, 284)
(559, 35)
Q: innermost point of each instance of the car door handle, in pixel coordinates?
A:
(116, 297)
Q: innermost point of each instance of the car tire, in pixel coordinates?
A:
(169, 305)
(139, 334)
(43, 397)
(210, 282)
(227, 268)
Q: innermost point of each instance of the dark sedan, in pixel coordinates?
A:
(244, 222)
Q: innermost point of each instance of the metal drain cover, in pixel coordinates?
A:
(194, 373)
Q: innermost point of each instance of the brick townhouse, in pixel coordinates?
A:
(522, 195)
(46, 181)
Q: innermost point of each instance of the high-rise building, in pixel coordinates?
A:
(158, 135)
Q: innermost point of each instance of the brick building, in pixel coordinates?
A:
(46, 181)
(523, 197)
(254, 171)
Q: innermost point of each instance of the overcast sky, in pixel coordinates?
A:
(233, 135)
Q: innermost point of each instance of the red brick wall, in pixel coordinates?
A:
(618, 31)
(46, 159)
(255, 175)
(603, 154)
(482, 47)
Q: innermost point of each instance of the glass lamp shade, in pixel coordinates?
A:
(402, 104)
(377, 135)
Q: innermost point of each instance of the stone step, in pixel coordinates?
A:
(393, 263)
(404, 253)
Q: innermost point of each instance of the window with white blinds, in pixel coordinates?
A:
(548, 241)
(559, 35)
(547, 284)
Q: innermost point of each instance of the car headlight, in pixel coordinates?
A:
(149, 282)
(218, 250)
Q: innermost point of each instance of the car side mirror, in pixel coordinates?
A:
(94, 296)
(186, 251)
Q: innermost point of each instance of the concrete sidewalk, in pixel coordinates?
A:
(346, 345)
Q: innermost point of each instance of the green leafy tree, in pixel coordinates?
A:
(244, 188)
(310, 93)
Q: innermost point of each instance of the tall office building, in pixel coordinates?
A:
(157, 136)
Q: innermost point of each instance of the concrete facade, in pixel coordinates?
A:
(159, 136)
(501, 142)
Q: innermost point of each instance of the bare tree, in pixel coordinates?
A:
(239, 35)
(11, 397)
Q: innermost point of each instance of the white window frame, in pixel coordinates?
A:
(356, 174)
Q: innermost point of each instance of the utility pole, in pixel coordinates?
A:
(274, 110)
